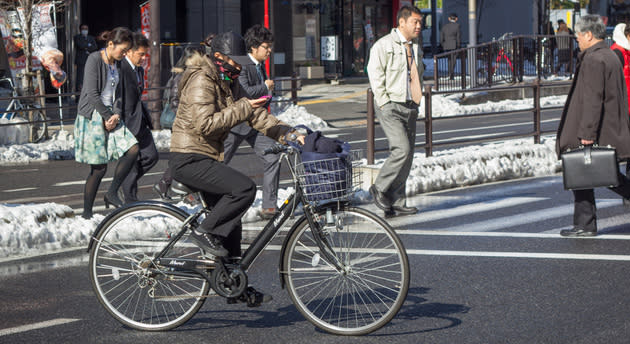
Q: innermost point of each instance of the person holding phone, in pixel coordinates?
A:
(256, 84)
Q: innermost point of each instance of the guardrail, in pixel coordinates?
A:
(429, 144)
(505, 61)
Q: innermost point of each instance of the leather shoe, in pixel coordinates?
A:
(380, 199)
(405, 210)
(576, 232)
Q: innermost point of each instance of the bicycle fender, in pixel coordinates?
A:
(127, 208)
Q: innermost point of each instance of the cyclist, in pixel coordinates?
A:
(206, 113)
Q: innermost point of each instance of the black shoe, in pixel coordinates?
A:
(405, 210)
(210, 243)
(575, 232)
(113, 200)
(252, 297)
(380, 199)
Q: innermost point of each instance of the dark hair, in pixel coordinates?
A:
(406, 11)
(118, 35)
(453, 15)
(626, 31)
(139, 41)
(228, 43)
(257, 35)
(188, 52)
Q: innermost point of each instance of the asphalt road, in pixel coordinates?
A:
(487, 265)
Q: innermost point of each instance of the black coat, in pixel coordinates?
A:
(451, 36)
(251, 87)
(84, 46)
(132, 110)
(597, 106)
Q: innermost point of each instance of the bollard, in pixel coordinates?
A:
(370, 127)
(537, 111)
(428, 122)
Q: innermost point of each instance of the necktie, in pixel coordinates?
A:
(139, 77)
(260, 73)
(414, 78)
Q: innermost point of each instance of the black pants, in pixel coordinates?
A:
(229, 193)
(147, 158)
(584, 212)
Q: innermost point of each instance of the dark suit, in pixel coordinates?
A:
(252, 86)
(136, 117)
(450, 38)
(84, 46)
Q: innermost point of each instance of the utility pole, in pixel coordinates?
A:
(155, 107)
(434, 19)
(472, 41)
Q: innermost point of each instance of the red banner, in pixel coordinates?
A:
(145, 23)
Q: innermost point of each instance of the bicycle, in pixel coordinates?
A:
(36, 117)
(344, 267)
(501, 66)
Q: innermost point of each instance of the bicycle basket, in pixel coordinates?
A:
(331, 179)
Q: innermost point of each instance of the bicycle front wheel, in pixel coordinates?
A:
(371, 284)
(127, 281)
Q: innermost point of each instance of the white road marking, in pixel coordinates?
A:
(19, 190)
(536, 255)
(36, 326)
(464, 210)
(519, 219)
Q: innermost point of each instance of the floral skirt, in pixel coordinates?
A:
(94, 145)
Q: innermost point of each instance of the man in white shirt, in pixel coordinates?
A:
(255, 84)
(135, 114)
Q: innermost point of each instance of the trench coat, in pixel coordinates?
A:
(597, 106)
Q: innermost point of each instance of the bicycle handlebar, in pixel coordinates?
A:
(278, 148)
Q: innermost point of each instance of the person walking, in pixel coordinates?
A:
(596, 111)
(451, 38)
(100, 135)
(564, 37)
(172, 85)
(84, 45)
(621, 47)
(255, 84)
(135, 114)
(395, 72)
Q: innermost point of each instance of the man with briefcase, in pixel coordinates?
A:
(595, 114)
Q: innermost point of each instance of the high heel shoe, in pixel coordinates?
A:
(113, 200)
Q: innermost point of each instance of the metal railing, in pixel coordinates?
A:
(507, 60)
(428, 120)
(64, 111)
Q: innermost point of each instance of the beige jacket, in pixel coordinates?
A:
(387, 68)
(207, 111)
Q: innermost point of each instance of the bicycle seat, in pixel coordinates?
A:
(180, 189)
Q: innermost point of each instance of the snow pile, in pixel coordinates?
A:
(40, 228)
(482, 164)
(34, 228)
(446, 106)
(13, 133)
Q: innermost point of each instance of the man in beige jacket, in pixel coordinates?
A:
(395, 71)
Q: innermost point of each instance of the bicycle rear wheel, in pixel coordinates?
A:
(127, 281)
(369, 289)
(38, 130)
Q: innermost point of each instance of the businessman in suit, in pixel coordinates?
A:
(451, 37)
(84, 45)
(255, 84)
(135, 114)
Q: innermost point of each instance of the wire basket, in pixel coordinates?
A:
(334, 179)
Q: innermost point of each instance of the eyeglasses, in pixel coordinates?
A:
(266, 46)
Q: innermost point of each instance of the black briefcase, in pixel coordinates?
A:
(590, 167)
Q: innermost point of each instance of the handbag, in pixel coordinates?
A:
(589, 167)
(167, 117)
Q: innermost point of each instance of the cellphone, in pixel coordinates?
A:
(265, 97)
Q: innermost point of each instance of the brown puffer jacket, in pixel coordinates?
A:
(207, 111)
